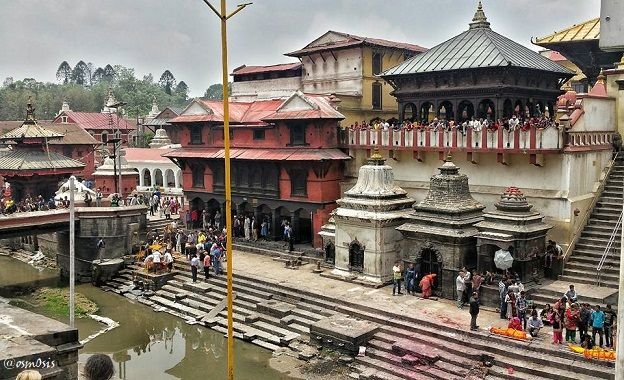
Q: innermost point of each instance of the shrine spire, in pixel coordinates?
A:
(479, 20)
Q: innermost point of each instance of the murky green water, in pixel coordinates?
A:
(147, 345)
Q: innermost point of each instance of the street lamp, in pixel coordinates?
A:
(224, 16)
(117, 147)
(115, 141)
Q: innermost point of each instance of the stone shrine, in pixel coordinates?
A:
(513, 227)
(366, 240)
(440, 233)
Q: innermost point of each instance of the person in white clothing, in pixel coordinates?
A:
(157, 260)
(460, 286)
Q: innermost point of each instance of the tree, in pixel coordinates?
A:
(80, 74)
(109, 73)
(8, 81)
(167, 82)
(98, 76)
(182, 90)
(64, 72)
(215, 91)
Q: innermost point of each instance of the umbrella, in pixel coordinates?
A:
(503, 259)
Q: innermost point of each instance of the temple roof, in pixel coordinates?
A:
(30, 129)
(477, 47)
(27, 159)
(588, 30)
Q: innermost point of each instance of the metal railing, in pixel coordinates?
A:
(579, 228)
(608, 249)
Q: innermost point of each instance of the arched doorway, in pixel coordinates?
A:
(169, 178)
(158, 178)
(446, 111)
(356, 257)
(330, 253)
(410, 112)
(486, 110)
(518, 109)
(465, 110)
(265, 222)
(147, 178)
(427, 113)
(507, 109)
(304, 225)
(431, 262)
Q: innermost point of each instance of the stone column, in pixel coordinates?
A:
(141, 177)
(176, 176)
(276, 225)
(153, 177)
(294, 221)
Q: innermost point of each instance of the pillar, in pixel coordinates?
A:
(176, 176)
(276, 225)
(153, 177)
(141, 177)
(294, 221)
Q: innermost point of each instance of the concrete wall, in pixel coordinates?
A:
(599, 115)
(249, 91)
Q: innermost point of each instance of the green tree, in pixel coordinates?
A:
(215, 91)
(182, 90)
(167, 82)
(80, 74)
(109, 73)
(64, 72)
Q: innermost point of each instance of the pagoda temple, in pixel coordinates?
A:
(28, 165)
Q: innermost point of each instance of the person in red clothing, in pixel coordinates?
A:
(570, 320)
(194, 218)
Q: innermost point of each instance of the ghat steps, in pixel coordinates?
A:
(394, 352)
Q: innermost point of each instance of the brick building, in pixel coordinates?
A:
(286, 164)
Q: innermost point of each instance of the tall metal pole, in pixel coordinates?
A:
(223, 16)
(72, 252)
(228, 193)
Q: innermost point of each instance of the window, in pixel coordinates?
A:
(104, 137)
(198, 175)
(258, 134)
(298, 182)
(376, 96)
(67, 151)
(64, 119)
(297, 134)
(377, 63)
(196, 137)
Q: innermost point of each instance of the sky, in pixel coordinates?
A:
(183, 36)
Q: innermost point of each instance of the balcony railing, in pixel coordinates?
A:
(530, 140)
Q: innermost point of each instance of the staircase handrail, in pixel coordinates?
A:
(618, 225)
(579, 228)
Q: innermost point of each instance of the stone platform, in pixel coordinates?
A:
(29, 340)
(587, 293)
(153, 281)
(343, 333)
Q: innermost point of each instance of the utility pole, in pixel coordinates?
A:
(223, 16)
(72, 251)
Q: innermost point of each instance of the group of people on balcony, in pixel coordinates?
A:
(474, 124)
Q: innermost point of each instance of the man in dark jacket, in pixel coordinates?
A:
(583, 322)
(474, 311)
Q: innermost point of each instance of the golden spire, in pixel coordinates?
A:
(479, 20)
(376, 156)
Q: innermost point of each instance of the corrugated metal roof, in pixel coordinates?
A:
(146, 154)
(351, 40)
(588, 30)
(477, 47)
(31, 130)
(243, 70)
(73, 134)
(94, 120)
(283, 154)
(26, 159)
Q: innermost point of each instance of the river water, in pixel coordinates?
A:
(146, 345)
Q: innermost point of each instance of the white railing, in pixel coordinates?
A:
(607, 250)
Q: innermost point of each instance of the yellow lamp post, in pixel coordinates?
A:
(223, 16)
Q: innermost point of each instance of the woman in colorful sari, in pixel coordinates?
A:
(426, 285)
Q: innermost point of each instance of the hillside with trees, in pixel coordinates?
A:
(85, 87)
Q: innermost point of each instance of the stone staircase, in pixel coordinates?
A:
(160, 224)
(581, 268)
(402, 349)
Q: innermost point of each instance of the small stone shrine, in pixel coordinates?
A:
(440, 233)
(515, 228)
(366, 240)
(160, 139)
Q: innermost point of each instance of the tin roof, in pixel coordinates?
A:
(280, 154)
(259, 112)
(96, 120)
(588, 30)
(243, 70)
(146, 154)
(72, 133)
(343, 40)
(477, 47)
(30, 130)
(27, 159)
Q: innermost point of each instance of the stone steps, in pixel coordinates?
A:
(610, 267)
(589, 281)
(590, 275)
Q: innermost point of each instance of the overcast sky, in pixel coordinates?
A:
(183, 35)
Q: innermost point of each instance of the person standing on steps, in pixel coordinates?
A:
(609, 318)
(474, 311)
(410, 279)
(194, 267)
(397, 273)
(207, 264)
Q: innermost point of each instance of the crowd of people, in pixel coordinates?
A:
(474, 124)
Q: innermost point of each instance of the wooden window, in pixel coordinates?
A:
(377, 96)
(297, 134)
(298, 182)
(196, 134)
(218, 176)
(198, 175)
(258, 134)
(104, 137)
(377, 64)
